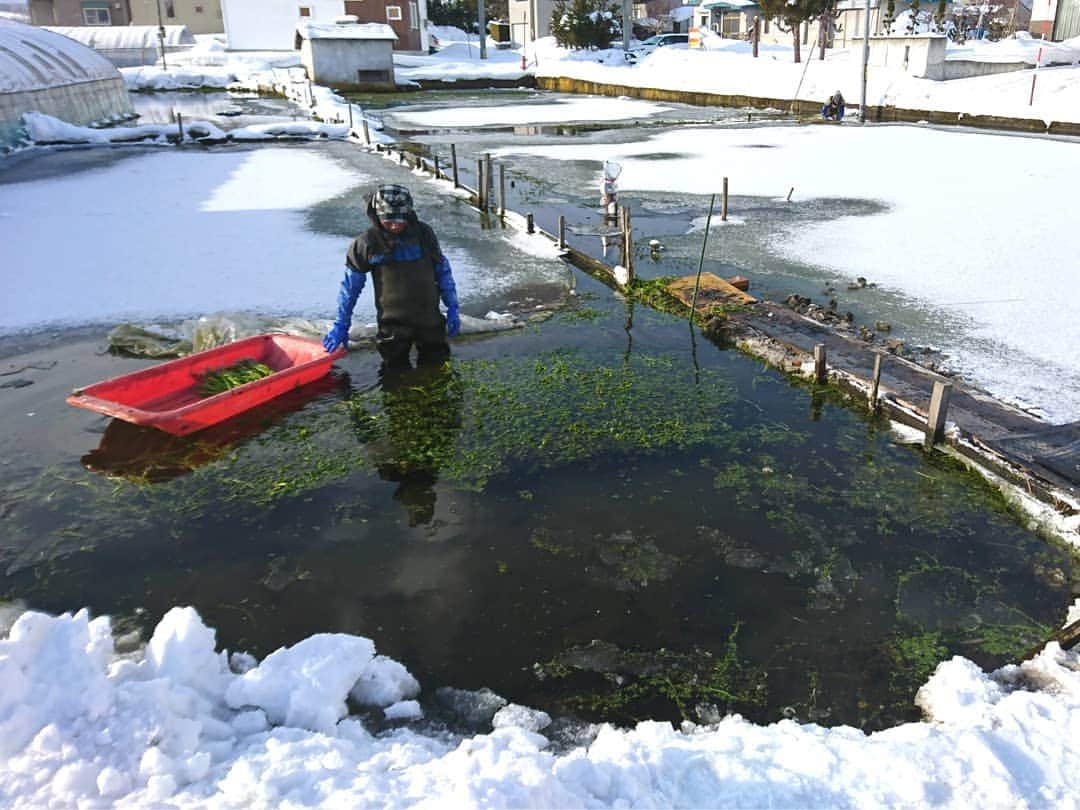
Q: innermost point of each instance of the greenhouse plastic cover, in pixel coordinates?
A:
(123, 37)
(33, 58)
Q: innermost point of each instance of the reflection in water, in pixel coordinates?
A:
(422, 407)
(148, 455)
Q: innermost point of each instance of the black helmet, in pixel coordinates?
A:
(392, 203)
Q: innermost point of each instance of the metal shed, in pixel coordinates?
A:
(44, 71)
(1067, 21)
(129, 45)
(348, 55)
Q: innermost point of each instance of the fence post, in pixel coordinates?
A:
(453, 163)
(723, 205)
(350, 118)
(627, 242)
(875, 381)
(489, 180)
(939, 407)
(180, 128)
(530, 226)
(367, 135)
(821, 366)
(502, 190)
(480, 184)
(562, 232)
(436, 160)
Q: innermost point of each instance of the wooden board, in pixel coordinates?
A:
(712, 290)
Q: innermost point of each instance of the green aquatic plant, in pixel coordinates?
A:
(544, 412)
(220, 380)
(911, 660)
(640, 684)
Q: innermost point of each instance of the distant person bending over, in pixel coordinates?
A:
(411, 274)
(833, 110)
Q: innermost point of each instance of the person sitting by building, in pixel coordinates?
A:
(411, 274)
(833, 110)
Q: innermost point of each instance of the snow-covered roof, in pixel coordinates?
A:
(33, 58)
(350, 30)
(119, 37)
(734, 5)
(681, 12)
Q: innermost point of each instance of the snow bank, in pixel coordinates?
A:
(80, 725)
(44, 129)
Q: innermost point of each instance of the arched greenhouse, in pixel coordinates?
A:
(49, 73)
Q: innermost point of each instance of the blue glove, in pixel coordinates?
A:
(444, 278)
(337, 336)
(351, 287)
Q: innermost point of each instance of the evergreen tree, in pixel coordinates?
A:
(791, 14)
(890, 17)
(913, 20)
(579, 24)
(457, 13)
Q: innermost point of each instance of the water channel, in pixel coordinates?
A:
(601, 514)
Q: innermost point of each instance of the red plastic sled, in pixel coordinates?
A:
(167, 396)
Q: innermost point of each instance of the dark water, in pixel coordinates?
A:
(600, 515)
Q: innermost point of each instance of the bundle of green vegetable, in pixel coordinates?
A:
(222, 379)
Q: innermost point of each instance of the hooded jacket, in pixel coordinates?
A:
(402, 267)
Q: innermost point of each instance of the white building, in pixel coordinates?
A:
(530, 19)
(270, 25)
(347, 55)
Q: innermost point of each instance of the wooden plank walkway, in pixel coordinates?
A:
(1050, 453)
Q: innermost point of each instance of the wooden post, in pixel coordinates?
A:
(367, 135)
(453, 164)
(875, 381)
(180, 128)
(502, 190)
(562, 232)
(821, 366)
(723, 204)
(489, 180)
(939, 407)
(628, 243)
(530, 227)
(350, 118)
(480, 202)
(436, 167)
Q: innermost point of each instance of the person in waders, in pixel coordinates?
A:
(833, 109)
(411, 275)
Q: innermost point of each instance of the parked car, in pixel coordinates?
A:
(658, 41)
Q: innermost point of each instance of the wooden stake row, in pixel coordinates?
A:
(939, 397)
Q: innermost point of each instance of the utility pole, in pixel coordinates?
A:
(161, 33)
(483, 28)
(865, 62)
(627, 23)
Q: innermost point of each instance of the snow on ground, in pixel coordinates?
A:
(232, 217)
(44, 129)
(559, 111)
(181, 724)
(732, 70)
(232, 238)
